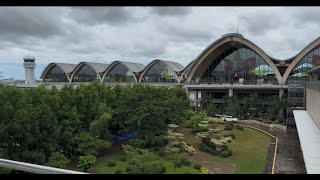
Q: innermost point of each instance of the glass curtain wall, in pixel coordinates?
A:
(159, 72)
(239, 66)
(56, 74)
(86, 74)
(300, 71)
(119, 73)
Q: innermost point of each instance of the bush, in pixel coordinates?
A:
(224, 147)
(228, 128)
(239, 128)
(185, 162)
(162, 153)
(156, 148)
(226, 153)
(216, 152)
(122, 158)
(233, 136)
(132, 163)
(118, 171)
(177, 163)
(197, 166)
(163, 169)
(128, 169)
(111, 163)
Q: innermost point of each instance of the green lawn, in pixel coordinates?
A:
(249, 151)
(100, 167)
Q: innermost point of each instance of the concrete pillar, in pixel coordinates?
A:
(281, 92)
(199, 94)
(230, 92)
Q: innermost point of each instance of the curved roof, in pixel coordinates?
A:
(176, 67)
(98, 67)
(222, 44)
(66, 68)
(133, 67)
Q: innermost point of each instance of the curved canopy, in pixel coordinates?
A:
(135, 68)
(99, 68)
(65, 67)
(174, 66)
(220, 46)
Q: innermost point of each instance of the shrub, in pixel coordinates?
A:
(197, 166)
(111, 163)
(226, 153)
(239, 128)
(233, 136)
(122, 158)
(204, 170)
(156, 148)
(216, 152)
(224, 147)
(177, 163)
(228, 128)
(118, 171)
(163, 169)
(185, 162)
(128, 169)
(132, 163)
(162, 153)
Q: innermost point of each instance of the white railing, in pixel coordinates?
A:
(34, 168)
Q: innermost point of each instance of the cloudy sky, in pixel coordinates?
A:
(141, 34)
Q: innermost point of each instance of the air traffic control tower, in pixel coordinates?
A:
(29, 65)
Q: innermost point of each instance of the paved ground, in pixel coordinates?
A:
(289, 155)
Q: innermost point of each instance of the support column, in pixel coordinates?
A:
(281, 92)
(230, 92)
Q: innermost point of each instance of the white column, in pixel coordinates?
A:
(230, 92)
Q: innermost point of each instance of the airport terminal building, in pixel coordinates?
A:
(232, 65)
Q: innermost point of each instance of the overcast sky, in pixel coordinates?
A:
(141, 34)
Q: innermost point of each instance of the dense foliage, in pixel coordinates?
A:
(36, 122)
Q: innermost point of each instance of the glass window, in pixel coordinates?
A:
(86, 74)
(119, 73)
(300, 71)
(55, 74)
(239, 65)
(159, 72)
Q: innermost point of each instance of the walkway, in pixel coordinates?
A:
(289, 156)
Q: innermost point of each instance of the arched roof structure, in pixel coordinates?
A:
(136, 68)
(66, 68)
(221, 45)
(99, 68)
(297, 58)
(176, 67)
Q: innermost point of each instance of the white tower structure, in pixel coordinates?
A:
(29, 65)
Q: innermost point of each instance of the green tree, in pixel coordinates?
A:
(143, 161)
(85, 162)
(58, 160)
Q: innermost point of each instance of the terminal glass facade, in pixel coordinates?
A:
(55, 74)
(300, 71)
(120, 73)
(86, 74)
(159, 72)
(239, 66)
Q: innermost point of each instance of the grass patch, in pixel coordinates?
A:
(249, 151)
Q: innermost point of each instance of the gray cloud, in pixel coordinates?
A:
(304, 16)
(98, 15)
(178, 32)
(258, 23)
(17, 22)
(171, 11)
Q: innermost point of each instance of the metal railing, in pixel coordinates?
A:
(34, 168)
